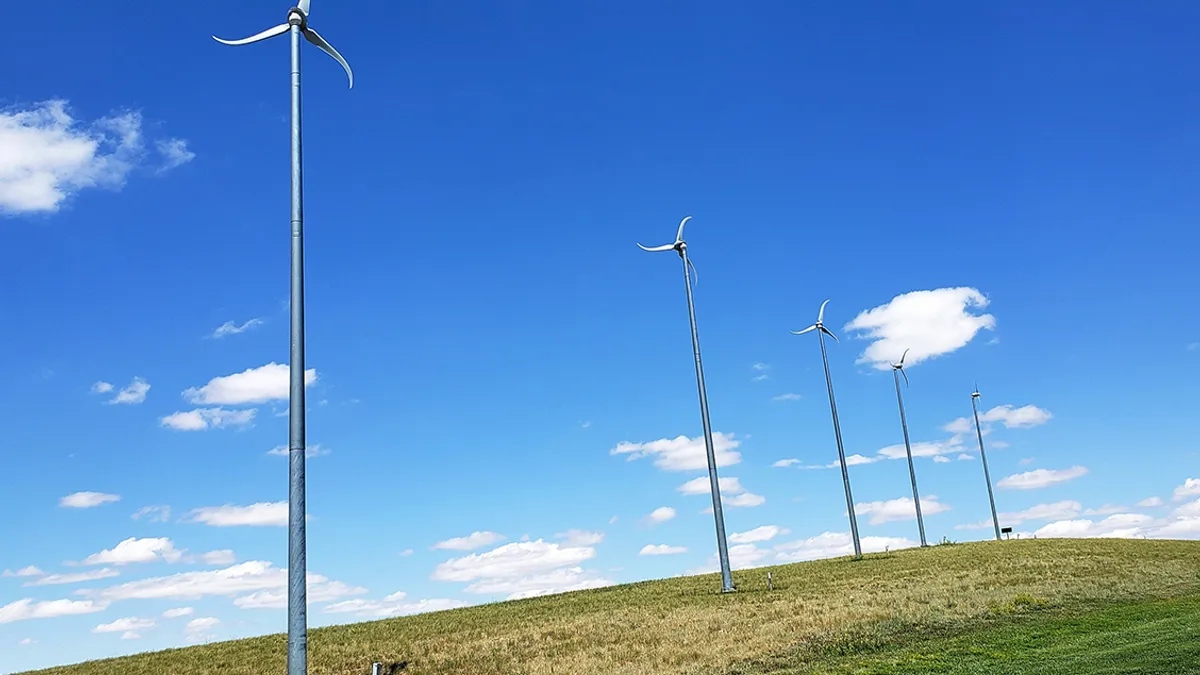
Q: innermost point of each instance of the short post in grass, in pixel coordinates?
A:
(769, 586)
(376, 668)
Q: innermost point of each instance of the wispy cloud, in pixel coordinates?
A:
(762, 371)
(232, 328)
(261, 514)
(660, 515)
(174, 153)
(253, 385)
(787, 397)
(470, 542)
(202, 419)
(662, 549)
(902, 508)
(87, 500)
(1040, 478)
(682, 453)
(153, 514)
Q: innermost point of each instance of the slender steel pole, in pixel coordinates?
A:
(297, 655)
(986, 475)
(912, 472)
(837, 432)
(714, 483)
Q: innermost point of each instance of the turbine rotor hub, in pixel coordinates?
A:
(296, 17)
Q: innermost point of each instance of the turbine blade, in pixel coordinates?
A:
(903, 356)
(830, 334)
(905, 377)
(303, 7)
(268, 33)
(679, 236)
(315, 38)
(806, 330)
(821, 314)
(695, 274)
(664, 247)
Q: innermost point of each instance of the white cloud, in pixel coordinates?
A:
(660, 515)
(253, 385)
(741, 556)
(964, 457)
(902, 508)
(785, 463)
(1122, 525)
(310, 451)
(1151, 502)
(153, 514)
(511, 561)
(941, 459)
(248, 577)
(1106, 510)
(320, 589)
(732, 492)
(1040, 478)
(59, 579)
(662, 549)
(174, 153)
(27, 608)
(406, 552)
(208, 418)
(923, 449)
(563, 580)
(1190, 488)
(392, 605)
(746, 499)
(133, 393)
(612, 521)
(134, 550)
(178, 612)
(787, 397)
(197, 630)
(30, 571)
(261, 514)
(129, 624)
(682, 453)
(580, 538)
(221, 557)
(761, 372)
(25, 642)
(763, 533)
(47, 156)
(836, 544)
(87, 500)
(101, 388)
(470, 542)
(231, 328)
(1063, 510)
(927, 323)
(1012, 418)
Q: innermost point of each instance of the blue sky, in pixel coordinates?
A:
(503, 395)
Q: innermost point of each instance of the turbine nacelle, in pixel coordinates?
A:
(975, 394)
(900, 367)
(297, 16)
(680, 246)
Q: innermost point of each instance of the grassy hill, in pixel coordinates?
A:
(1045, 606)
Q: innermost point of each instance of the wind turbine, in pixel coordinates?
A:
(986, 476)
(297, 656)
(680, 246)
(822, 331)
(897, 371)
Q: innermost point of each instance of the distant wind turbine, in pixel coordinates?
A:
(983, 456)
(297, 641)
(680, 246)
(822, 331)
(897, 370)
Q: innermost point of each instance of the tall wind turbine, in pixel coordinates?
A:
(680, 246)
(986, 476)
(897, 371)
(822, 331)
(297, 656)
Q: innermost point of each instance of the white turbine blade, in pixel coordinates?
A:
(268, 33)
(679, 236)
(806, 330)
(315, 38)
(664, 247)
(695, 274)
(905, 376)
(821, 314)
(902, 357)
(303, 7)
(830, 334)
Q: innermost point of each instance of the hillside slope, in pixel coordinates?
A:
(681, 625)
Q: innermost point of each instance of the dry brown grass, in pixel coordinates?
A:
(682, 626)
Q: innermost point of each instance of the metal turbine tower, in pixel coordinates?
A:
(982, 455)
(897, 370)
(297, 654)
(822, 331)
(680, 246)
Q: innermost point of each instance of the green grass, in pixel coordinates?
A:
(1148, 638)
(828, 616)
